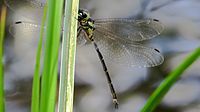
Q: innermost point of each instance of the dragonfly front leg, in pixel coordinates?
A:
(79, 31)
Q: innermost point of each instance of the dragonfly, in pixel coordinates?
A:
(118, 39)
(115, 39)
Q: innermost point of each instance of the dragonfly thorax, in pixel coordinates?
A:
(86, 23)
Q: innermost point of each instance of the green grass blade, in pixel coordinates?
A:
(2, 33)
(36, 79)
(52, 43)
(66, 92)
(164, 87)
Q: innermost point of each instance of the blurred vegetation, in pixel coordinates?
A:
(3, 12)
(52, 45)
(164, 87)
(67, 71)
(36, 78)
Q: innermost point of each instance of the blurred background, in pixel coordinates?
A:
(181, 35)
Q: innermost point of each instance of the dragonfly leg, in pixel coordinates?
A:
(79, 31)
(114, 95)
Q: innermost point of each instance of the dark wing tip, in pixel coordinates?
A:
(157, 50)
(18, 22)
(156, 20)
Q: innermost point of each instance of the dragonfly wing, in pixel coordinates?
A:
(26, 34)
(129, 29)
(31, 30)
(25, 29)
(81, 39)
(32, 9)
(127, 54)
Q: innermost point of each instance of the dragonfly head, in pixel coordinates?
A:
(83, 15)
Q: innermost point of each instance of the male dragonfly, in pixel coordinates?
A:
(115, 39)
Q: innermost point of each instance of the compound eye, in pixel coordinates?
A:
(80, 11)
(84, 15)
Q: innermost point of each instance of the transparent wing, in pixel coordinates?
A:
(127, 54)
(25, 29)
(81, 40)
(32, 9)
(26, 35)
(129, 29)
(32, 30)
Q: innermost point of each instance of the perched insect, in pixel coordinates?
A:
(117, 39)
(114, 39)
